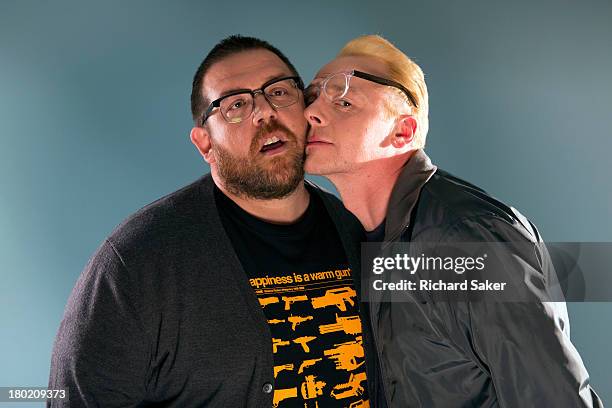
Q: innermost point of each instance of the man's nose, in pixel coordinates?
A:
(313, 114)
(263, 111)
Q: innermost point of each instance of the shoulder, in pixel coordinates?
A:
(460, 198)
(165, 220)
(453, 205)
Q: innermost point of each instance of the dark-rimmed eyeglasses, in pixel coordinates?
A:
(336, 86)
(238, 105)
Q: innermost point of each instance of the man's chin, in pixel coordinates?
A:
(283, 172)
(284, 175)
(312, 166)
(280, 162)
(279, 185)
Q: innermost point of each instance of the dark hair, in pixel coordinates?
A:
(224, 48)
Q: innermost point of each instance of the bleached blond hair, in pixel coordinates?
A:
(399, 68)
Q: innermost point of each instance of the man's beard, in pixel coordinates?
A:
(247, 177)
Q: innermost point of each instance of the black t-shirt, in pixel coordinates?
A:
(377, 234)
(303, 282)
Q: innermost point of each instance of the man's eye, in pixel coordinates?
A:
(237, 104)
(276, 92)
(343, 103)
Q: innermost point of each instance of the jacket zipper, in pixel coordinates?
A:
(380, 368)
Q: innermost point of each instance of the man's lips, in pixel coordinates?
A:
(274, 148)
(279, 140)
(316, 140)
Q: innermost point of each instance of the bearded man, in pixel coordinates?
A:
(234, 291)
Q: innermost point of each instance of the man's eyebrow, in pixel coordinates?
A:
(356, 88)
(267, 79)
(321, 76)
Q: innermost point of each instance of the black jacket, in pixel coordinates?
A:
(463, 353)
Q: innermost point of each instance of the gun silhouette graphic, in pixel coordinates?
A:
(279, 342)
(349, 325)
(283, 394)
(360, 404)
(268, 300)
(336, 297)
(295, 320)
(303, 340)
(289, 300)
(276, 321)
(307, 363)
(345, 354)
(351, 388)
(311, 388)
(279, 368)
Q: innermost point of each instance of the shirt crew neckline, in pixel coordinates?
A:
(302, 225)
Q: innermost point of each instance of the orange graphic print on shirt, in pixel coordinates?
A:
(317, 343)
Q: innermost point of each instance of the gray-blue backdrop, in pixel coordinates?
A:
(94, 123)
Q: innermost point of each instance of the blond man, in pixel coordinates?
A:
(368, 116)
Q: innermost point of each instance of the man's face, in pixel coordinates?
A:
(237, 151)
(353, 130)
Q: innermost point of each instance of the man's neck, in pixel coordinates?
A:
(366, 192)
(284, 210)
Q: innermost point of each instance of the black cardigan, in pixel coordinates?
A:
(163, 314)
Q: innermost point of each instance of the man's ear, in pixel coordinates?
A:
(201, 139)
(404, 131)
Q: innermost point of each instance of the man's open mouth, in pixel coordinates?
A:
(271, 144)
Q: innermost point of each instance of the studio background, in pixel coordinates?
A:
(95, 121)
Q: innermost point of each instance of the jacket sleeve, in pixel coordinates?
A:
(524, 341)
(100, 354)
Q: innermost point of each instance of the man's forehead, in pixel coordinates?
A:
(367, 64)
(243, 70)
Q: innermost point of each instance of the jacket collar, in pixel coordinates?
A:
(416, 172)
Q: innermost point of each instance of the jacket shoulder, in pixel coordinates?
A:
(447, 200)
